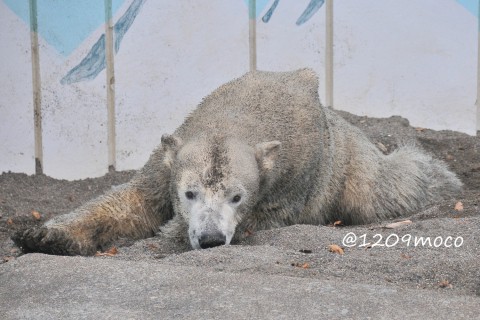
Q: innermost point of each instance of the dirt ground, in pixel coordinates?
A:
(300, 251)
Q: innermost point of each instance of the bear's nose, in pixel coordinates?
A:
(210, 240)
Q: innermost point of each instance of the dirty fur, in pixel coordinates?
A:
(299, 163)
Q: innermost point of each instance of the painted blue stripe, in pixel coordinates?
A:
(124, 23)
(270, 11)
(90, 66)
(311, 9)
(94, 61)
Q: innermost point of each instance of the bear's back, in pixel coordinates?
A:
(264, 106)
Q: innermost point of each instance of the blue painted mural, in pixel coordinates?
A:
(315, 5)
(270, 11)
(309, 11)
(94, 62)
(65, 24)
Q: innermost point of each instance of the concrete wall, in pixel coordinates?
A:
(412, 58)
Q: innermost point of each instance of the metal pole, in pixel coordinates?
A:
(329, 54)
(36, 86)
(252, 34)
(110, 85)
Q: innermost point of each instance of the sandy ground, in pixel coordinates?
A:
(448, 266)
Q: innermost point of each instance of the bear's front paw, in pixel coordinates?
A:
(52, 240)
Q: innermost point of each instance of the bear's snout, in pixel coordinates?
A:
(210, 240)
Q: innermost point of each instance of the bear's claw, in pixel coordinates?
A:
(50, 241)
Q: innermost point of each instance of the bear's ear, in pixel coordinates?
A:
(170, 144)
(266, 153)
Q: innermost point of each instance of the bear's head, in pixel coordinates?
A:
(215, 183)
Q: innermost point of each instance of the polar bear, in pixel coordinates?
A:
(259, 152)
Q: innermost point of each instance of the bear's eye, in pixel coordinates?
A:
(236, 199)
(190, 195)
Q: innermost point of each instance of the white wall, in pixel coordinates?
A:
(412, 58)
(74, 119)
(172, 57)
(16, 104)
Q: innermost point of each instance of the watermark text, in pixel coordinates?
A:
(393, 239)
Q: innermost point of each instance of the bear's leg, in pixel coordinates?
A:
(379, 187)
(131, 210)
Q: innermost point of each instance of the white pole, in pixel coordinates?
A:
(36, 85)
(478, 70)
(110, 85)
(329, 54)
(252, 14)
